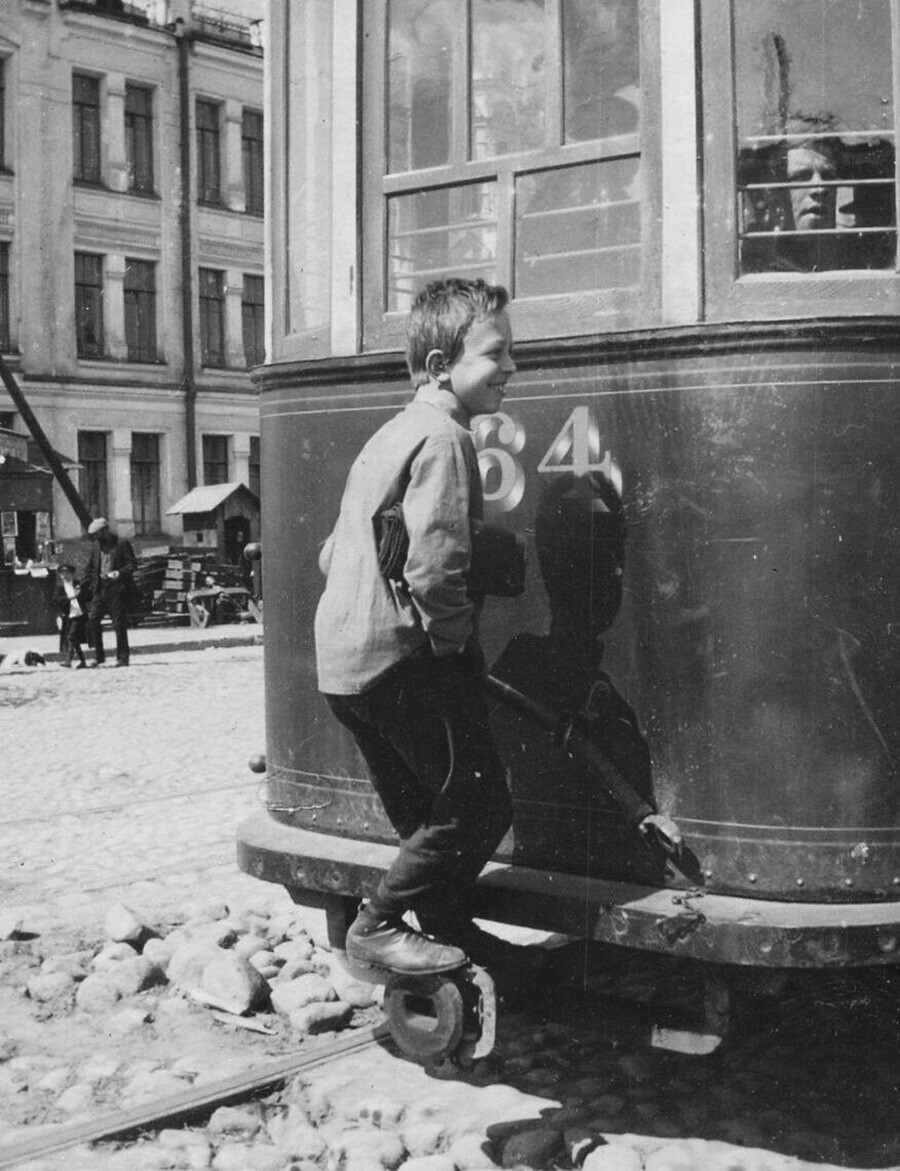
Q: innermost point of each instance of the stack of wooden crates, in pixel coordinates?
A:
(182, 574)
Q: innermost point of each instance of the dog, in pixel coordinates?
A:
(22, 659)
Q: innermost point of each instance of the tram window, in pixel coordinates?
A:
(815, 160)
(578, 228)
(503, 138)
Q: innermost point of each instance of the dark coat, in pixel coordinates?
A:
(123, 560)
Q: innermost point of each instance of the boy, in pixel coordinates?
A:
(70, 602)
(399, 662)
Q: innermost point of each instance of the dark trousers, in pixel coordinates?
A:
(109, 600)
(424, 735)
(71, 636)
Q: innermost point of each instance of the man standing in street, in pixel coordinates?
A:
(110, 581)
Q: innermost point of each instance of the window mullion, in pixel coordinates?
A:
(461, 127)
(554, 97)
(506, 195)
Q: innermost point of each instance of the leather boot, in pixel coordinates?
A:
(386, 944)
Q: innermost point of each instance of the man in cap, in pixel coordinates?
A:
(110, 580)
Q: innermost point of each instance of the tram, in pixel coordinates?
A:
(693, 206)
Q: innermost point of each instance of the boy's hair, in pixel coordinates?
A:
(67, 566)
(442, 315)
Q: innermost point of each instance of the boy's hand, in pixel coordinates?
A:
(664, 830)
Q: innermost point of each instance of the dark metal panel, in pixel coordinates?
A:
(752, 637)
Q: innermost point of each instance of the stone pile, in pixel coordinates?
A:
(565, 1091)
(249, 963)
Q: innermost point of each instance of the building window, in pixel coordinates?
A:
(252, 157)
(209, 161)
(212, 317)
(5, 337)
(253, 319)
(215, 459)
(139, 137)
(140, 310)
(145, 483)
(253, 467)
(89, 305)
(86, 128)
(505, 141)
(94, 474)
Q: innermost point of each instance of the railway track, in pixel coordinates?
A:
(194, 1103)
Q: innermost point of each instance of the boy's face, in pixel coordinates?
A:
(480, 373)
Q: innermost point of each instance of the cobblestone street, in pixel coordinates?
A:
(127, 784)
(127, 787)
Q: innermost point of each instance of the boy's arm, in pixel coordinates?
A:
(436, 513)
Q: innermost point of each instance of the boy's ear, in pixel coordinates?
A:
(436, 366)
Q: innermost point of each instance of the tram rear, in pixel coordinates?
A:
(699, 450)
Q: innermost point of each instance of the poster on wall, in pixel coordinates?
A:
(42, 526)
(9, 524)
(9, 550)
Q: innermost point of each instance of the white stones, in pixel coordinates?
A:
(300, 992)
(48, 986)
(369, 1145)
(619, 1157)
(11, 922)
(321, 1017)
(76, 1099)
(228, 982)
(122, 924)
(113, 953)
(243, 1120)
(238, 1157)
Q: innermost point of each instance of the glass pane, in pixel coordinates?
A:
(816, 134)
(578, 229)
(509, 76)
(432, 234)
(601, 68)
(423, 40)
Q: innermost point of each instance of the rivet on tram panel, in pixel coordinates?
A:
(707, 874)
(895, 881)
(887, 943)
(340, 821)
(751, 878)
(800, 882)
(365, 825)
(315, 817)
(848, 882)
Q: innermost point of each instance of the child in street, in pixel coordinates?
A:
(399, 662)
(69, 601)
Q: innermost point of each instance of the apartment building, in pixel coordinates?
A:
(131, 248)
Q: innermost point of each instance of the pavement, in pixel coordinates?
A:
(145, 640)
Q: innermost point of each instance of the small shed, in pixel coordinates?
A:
(219, 517)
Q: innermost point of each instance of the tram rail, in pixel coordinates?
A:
(198, 1101)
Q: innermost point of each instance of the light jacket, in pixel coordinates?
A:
(365, 625)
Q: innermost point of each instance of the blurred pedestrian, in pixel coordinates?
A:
(110, 580)
(70, 600)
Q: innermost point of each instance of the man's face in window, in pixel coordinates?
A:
(813, 206)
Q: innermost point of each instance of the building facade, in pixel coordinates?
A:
(131, 248)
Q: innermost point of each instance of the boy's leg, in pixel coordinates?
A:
(379, 938)
(434, 715)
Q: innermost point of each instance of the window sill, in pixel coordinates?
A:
(138, 193)
(92, 185)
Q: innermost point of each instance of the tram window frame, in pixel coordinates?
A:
(731, 294)
(540, 316)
